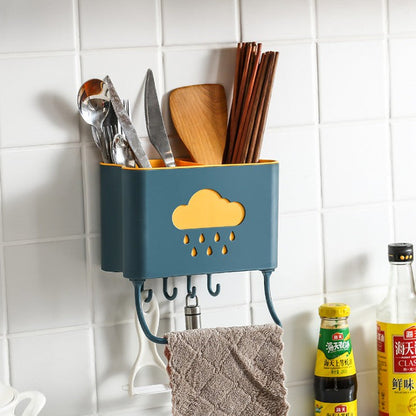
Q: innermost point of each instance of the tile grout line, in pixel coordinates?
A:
(342, 123)
(86, 203)
(46, 240)
(100, 325)
(43, 146)
(252, 277)
(239, 34)
(160, 32)
(352, 207)
(388, 87)
(3, 290)
(162, 78)
(3, 298)
(287, 127)
(198, 46)
(72, 328)
(239, 20)
(314, 14)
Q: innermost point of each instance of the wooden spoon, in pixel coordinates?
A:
(199, 113)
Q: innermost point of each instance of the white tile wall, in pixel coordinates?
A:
(298, 155)
(213, 22)
(296, 87)
(60, 365)
(132, 24)
(113, 300)
(403, 146)
(405, 222)
(352, 173)
(293, 277)
(402, 16)
(48, 285)
(42, 193)
(352, 80)
(43, 89)
(4, 360)
(341, 122)
(355, 18)
(403, 85)
(38, 24)
(272, 19)
(355, 242)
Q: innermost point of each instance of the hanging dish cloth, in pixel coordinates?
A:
(227, 371)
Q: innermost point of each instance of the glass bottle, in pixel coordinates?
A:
(335, 381)
(396, 337)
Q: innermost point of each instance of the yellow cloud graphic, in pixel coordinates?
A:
(208, 209)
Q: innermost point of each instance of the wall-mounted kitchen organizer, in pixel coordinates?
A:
(189, 220)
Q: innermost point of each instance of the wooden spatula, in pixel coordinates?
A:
(199, 113)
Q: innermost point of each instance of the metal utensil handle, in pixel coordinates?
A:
(130, 132)
(97, 136)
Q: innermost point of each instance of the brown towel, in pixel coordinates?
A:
(227, 371)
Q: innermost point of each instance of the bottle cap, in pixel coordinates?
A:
(400, 252)
(334, 310)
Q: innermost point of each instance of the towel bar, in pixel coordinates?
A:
(189, 220)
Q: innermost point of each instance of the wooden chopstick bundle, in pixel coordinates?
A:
(253, 82)
(242, 70)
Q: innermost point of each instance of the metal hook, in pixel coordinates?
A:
(165, 290)
(209, 286)
(149, 294)
(191, 291)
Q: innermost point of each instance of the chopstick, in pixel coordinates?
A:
(241, 142)
(253, 81)
(266, 95)
(231, 123)
(253, 112)
(243, 68)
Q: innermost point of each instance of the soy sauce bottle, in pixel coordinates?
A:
(335, 381)
(396, 336)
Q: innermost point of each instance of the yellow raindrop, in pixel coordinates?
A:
(186, 239)
(216, 237)
(201, 238)
(232, 236)
(209, 251)
(193, 252)
(224, 250)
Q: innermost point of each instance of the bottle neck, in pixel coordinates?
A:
(334, 323)
(401, 276)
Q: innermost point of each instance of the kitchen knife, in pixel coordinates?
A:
(129, 131)
(154, 121)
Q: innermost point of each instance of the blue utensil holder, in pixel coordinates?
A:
(189, 220)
